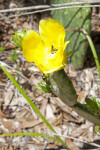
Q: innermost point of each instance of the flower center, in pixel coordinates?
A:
(53, 50)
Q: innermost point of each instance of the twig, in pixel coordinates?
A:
(25, 8)
(48, 6)
(72, 138)
(44, 10)
(77, 3)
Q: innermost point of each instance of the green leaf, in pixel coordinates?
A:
(97, 128)
(93, 106)
(44, 87)
(18, 38)
(91, 103)
(2, 49)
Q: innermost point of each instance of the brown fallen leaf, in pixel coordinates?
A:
(26, 25)
(30, 123)
(81, 96)
(43, 106)
(68, 117)
(9, 124)
(8, 94)
(3, 115)
(71, 145)
(58, 119)
(80, 130)
(56, 101)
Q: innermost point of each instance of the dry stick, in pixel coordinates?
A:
(93, 144)
(44, 10)
(48, 6)
(76, 3)
(25, 8)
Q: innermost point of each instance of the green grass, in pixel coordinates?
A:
(33, 107)
(31, 134)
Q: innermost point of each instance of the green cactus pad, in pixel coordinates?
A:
(74, 17)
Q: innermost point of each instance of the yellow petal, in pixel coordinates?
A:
(38, 48)
(55, 63)
(58, 61)
(33, 48)
(52, 32)
(66, 43)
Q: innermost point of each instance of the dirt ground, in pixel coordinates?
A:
(15, 113)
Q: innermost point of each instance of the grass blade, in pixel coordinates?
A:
(31, 134)
(32, 104)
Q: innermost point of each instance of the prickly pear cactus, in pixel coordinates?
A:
(74, 17)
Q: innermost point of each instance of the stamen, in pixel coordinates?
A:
(53, 50)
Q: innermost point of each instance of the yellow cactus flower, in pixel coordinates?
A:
(46, 49)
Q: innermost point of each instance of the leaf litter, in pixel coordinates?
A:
(16, 114)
